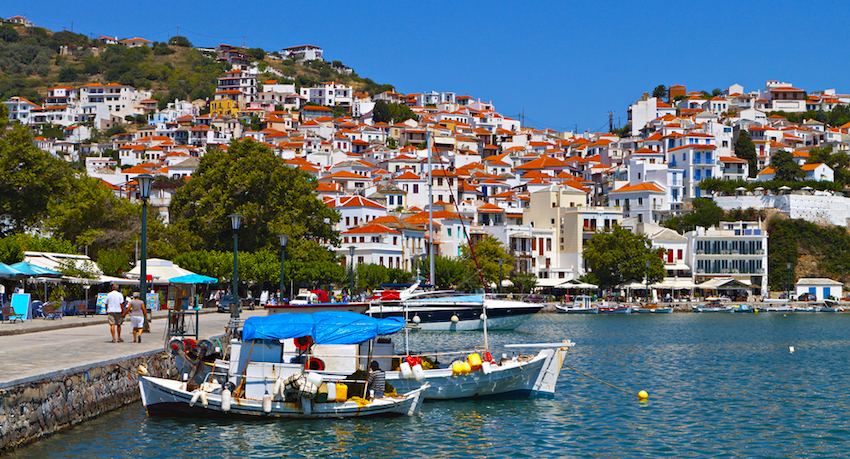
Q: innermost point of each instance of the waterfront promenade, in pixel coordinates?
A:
(43, 348)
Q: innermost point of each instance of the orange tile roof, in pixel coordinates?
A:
(372, 228)
(544, 162)
(491, 209)
(639, 187)
(343, 175)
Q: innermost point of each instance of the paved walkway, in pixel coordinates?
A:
(45, 347)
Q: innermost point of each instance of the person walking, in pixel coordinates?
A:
(137, 311)
(115, 309)
(377, 381)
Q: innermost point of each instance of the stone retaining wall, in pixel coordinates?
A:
(34, 409)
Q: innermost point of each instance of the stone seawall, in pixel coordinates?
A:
(34, 408)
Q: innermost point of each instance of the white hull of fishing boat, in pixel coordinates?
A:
(458, 313)
(498, 323)
(170, 398)
(537, 376)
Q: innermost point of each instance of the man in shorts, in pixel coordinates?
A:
(115, 310)
(136, 308)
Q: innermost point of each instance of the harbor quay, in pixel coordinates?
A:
(55, 374)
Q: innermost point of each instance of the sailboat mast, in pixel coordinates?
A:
(431, 276)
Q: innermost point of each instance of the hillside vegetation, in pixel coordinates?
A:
(31, 63)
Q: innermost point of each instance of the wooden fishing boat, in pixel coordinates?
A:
(279, 346)
(168, 397)
(581, 305)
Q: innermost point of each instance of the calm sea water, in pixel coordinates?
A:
(720, 385)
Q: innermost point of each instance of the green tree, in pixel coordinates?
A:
(384, 112)
(523, 282)
(618, 256)
(113, 262)
(660, 92)
(310, 264)
(706, 213)
(746, 149)
(369, 276)
(488, 252)
(249, 179)
(180, 41)
(67, 74)
(29, 180)
(91, 215)
(115, 130)
(162, 49)
(448, 272)
(12, 247)
(785, 167)
(256, 53)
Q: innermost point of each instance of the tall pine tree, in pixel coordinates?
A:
(746, 149)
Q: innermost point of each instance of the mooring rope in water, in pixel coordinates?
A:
(642, 395)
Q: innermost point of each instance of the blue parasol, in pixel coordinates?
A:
(193, 279)
(9, 272)
(31, 270)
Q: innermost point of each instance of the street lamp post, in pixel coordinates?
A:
(788, 284)
(283, 239)
(647, 281)
(501, 262)
(235, 223)
(145, 181)
(351, 249)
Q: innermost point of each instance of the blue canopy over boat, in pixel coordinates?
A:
(325, 327)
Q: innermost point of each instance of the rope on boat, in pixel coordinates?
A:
(638, 395)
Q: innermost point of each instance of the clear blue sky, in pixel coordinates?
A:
(563, 63)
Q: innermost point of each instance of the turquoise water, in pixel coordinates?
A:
(720, 385)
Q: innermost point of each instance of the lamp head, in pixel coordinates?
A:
(351, 249)
(235, 220)
(283, 239)
(145, 181)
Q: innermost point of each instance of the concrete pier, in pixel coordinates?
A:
(55, 374)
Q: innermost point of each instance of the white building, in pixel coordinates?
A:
(821, 288)
(734, 249)
(304, 52)
(330, 94)
(119, 99)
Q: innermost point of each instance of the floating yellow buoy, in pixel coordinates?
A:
(756, 310)
(642, 396)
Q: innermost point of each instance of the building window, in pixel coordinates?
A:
(359, 260)
(679, 254)
(347, 222)
(395, 240)
(362, 239)
(345, 240)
